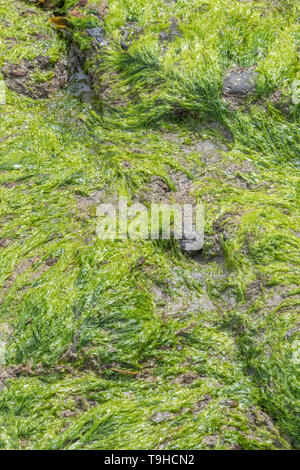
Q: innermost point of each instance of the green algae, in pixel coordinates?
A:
(24, 31)
(99, 352)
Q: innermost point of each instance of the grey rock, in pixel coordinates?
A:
(123, 45)
(161, 416)
(191, 242)
(240, 82)
(171, 33)
(98, 34)
(95, 32)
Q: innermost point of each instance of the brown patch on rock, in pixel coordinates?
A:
(20, 79)
(230, 403)
(70, 355)
(131, 31)
(292, 331)
(202, 404)
(87, 203)
(11, 41)
(20, 269)
(102, 9)
(156, 190)
(211, 440)
(83, 404)
(280, 99)
(171, 33)
(50, 261)
(271, 299)
(5, 374)
(161, 416)
(229, 220)
(40, 36)
(27, 369)
(253, 289)
(28, 12)
(184, 186)
(236, 447)
(68, 413)
(186, 379)
(259, 418)
(4, 242)
(11, 184)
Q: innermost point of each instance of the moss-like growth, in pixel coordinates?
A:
(130, 344)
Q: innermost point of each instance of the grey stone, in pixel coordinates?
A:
(98, 34)
(240, 82)
(191, 242)
(161, 416)
(95, 32)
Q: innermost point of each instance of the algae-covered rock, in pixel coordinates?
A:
(37, 78)
(130, 344)
(34, 63)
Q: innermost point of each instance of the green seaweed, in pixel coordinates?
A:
(103, 335)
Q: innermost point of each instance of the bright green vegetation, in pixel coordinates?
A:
(100, 336)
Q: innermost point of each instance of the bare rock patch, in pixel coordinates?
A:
(38, 78)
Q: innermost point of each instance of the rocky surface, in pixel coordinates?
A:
(38, 78)
(135, 344)
(239, 82)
